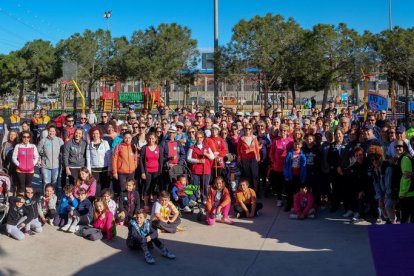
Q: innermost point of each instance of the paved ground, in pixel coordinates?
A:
(270, 244)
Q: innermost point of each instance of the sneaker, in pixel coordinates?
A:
(65, 228)
(279, 203)
(257, 214)
(50, 221)
(192, 203)
(348, 214)
(29, 233)
(72, 229)
(312, 216)
(237, 215)
(357, 215)
(186, 209)
(293, 216)
(167, 254)
(228, 221)
(149, 258)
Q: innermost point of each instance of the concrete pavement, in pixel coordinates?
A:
(269, 244)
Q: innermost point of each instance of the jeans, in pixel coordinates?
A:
(50, 176)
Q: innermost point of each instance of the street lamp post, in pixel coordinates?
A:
(215, 55)
(107, 15)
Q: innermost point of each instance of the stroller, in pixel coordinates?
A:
(5, 184)
(178, 170)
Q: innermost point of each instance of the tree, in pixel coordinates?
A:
(159, 54)
(13, 74)
(396, 49)
(42, 64)
(264, 43)
(91, 52)
(332, 51)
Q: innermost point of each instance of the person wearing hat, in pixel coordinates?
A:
(180, 136)
(173, 154)
(255, 117)
(239, 116)
(175, 118)
(369, 137)
(219, 148)
(331, 107)
(278, 113)
(400, 136)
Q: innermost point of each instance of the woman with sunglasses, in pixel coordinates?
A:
(140, 139)
(248, 152)
(278, 151)
(25, 157)
(191, 140)
(264, 140)
(405, 175)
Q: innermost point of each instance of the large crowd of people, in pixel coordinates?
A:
(116, 170)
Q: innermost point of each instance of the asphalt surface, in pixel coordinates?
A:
(270, 244)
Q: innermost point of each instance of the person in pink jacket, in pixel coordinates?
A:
(278, 150)
(103, 218)
(85, 180)
(25, 157)
(303, 204)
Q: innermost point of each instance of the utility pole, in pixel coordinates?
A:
(393, 96)
(216, 88)
(107, 15)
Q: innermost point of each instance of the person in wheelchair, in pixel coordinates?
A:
(184, 194)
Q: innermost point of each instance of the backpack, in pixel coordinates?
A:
(91, 233)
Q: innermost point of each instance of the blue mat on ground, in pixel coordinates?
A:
(392, 248)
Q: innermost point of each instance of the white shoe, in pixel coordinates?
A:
(192, 203)
(279, 203)
(348, 214)
(293, 216)
(72, 229)
(357, 215)
(65, 228)
(186, 209)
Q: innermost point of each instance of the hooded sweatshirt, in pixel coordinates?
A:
(49, 151)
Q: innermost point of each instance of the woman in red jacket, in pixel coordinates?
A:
(218, 203)
(278, 151)
(219, 148)
(200, 156)
(248, 153)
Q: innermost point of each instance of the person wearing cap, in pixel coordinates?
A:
(180, 136)
(369, 137)
(239, 116)
(255, 117)
(173, 153)
(219, 148)
(331, 107)
(278, 113)
(208, 124)
(400, 136)
(175, 118)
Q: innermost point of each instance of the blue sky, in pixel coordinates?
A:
(25, 20)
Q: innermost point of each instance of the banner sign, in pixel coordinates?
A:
(377, 102)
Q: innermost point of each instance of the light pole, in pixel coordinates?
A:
(215, 55)
(107, 15)
(393, 96)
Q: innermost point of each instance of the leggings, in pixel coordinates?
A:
(278, 183)
(151, 184)
(212, 213)
(25, 180)
(102, 178)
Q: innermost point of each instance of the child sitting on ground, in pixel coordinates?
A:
(67, 204)
(128, 202)
(33, 225)
(184, 193)
(303, 204)
(107, 195)
(16, 217)
(218, 203)
(103, 218)
(165, 215)
(141, 234)
(82, 215)
(47, 205)
(246, 205)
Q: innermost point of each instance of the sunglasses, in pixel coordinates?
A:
(103, 116)
(248, 129)
(199, 116)
(135, 127)
(25, 137)
(192, 131)
(375, 158)
(83, 118)
(142, 127)
(124, 129)
(69, 121)
(399, 146)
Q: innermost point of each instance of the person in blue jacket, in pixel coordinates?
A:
(294, 172)
(68, 203)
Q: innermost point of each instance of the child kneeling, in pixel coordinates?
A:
(142, 235)
(303, 204)
(246, 205)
